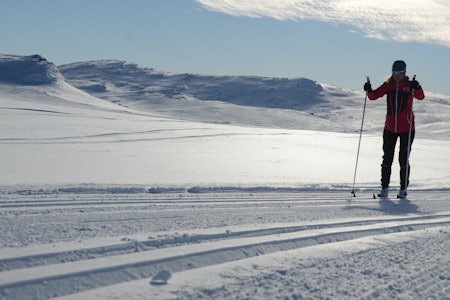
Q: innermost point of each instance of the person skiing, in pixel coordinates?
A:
(399, 124)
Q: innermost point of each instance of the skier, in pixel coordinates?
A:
(399, 91)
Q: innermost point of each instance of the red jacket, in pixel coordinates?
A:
(399, 104)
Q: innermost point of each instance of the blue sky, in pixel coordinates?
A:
(338, 42)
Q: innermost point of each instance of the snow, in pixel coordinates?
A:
(237, 186)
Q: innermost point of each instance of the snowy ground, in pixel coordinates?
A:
(225, 245)
(97, 196)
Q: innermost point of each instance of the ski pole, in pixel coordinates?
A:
(410, 120)
(359, 143)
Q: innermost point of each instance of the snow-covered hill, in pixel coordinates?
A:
(238, 186)
(32, 82)
(28, 70)
(297, 103)
(300, 103)
(156, 135)
(303, 104)
(113, 76)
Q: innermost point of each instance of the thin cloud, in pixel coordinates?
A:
(411, 20)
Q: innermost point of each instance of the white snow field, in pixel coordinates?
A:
(238, 187)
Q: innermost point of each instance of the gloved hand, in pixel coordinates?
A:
(367, 87)
(414, 84)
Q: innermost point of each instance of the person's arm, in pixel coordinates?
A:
(377, 93)
(417, 89)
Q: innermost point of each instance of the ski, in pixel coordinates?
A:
(380, 196)
(375, 196)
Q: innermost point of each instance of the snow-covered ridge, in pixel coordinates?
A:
(111, 76)
(34, 83)
(296, 103)
(28, 70)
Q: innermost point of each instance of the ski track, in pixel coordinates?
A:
(187, 231)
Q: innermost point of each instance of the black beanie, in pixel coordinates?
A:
(399, 65)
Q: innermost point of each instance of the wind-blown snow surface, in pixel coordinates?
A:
(239, 186)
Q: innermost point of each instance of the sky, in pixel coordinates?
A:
(338, 42)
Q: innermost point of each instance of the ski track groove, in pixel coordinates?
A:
(71, 275)
(146, 245)
(163, 198)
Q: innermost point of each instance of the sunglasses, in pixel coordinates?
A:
(398, 72)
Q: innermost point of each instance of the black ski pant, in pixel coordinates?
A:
(389, 142)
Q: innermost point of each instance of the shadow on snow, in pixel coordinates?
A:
(387, 206)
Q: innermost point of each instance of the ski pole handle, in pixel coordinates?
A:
(367, 85)
(414, 79)
(368, 80)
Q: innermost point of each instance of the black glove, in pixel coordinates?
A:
(414, 84)
(367, 87)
